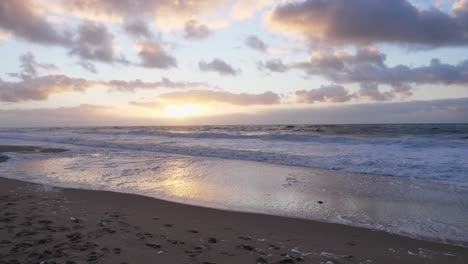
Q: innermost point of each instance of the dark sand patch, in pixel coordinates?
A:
(44, 224)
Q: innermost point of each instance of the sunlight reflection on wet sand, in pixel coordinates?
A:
(394, 204)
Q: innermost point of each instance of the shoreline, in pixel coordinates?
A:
(82, 225)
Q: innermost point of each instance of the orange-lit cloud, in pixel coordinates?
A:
(208, 96)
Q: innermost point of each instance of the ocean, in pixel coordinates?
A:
(431, 151)
(410, 179)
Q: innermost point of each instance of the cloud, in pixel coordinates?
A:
(64, 116)
(448, 110)
(151, 105)
(435, 111)
(367, 65)
(338, 94)
(37, 88)
(208, 96)
(126, 86)
(153, 55)
(24, 20)
(4, 35)
(275, 65)
(40, 88)
(371, 92)
(138, 28)
(194, 30)
(255, 43)
(329, 94)
(88, 66)
(370, 21)
(166, 14)
(219, 66)
(29, 67)
(95, 42)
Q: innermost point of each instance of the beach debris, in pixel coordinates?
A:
(155, 246)
(290, 181)
(296, 251)
(247, 247)
(275, 247)
(75, 220)
(193, 231)
(160, 252)
(212, 240)
(320, 202)
(176, 242)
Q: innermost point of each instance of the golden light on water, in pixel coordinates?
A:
(181, 111)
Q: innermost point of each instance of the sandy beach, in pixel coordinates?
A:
(42, 224)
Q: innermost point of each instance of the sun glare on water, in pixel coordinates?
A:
(181, 110)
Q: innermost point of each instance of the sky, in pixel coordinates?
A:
(185, 62)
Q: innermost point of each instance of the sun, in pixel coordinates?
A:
(181, 111)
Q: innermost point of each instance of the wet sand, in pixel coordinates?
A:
(41, 224)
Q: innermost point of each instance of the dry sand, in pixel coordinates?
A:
(42, 224)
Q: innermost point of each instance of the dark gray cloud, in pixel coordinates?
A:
(371, 92)
(125, 86)
(207, 96)
(195, 30)
(138, 28)
(330, 94)
(37, 88)
(370, 21)
(219, 66)
(87, 66)
(20, 18)
(255, 43)
(367, 65)
(274, 65)
(29, 67)
(95, 42)
(40, 88)
(461, 11)
(153, 55)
